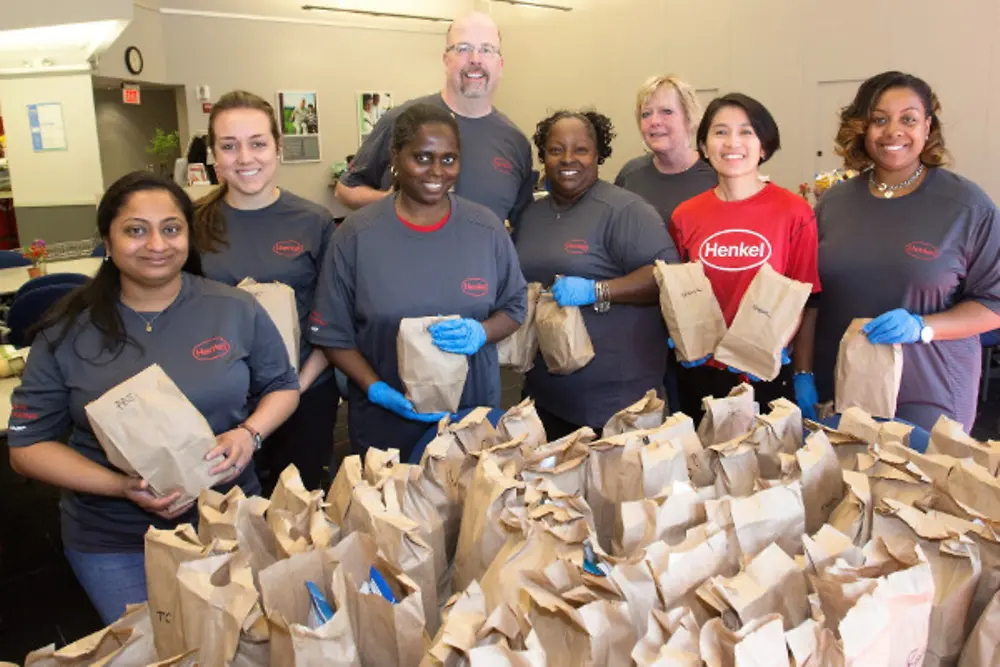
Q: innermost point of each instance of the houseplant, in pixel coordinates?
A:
(164, 146)
(36, 253)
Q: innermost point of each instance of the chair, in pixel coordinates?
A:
(51, 279)
(990, 342)
(12, 258)
(98, 250)
(29, 309)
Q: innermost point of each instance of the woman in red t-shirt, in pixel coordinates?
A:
(733, 229)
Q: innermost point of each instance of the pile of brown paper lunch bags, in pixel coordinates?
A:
(662, 542)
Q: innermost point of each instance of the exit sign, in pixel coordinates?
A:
(130, 94)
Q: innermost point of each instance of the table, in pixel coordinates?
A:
(11, 279)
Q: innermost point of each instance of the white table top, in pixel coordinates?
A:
(12, 279)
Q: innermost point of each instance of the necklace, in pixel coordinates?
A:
(149, 322)
(887, 190)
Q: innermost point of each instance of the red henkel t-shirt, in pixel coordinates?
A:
(733, 239)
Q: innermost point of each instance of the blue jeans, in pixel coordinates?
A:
(110, 580)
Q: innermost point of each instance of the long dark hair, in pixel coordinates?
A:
(100, 296)
(209, 232)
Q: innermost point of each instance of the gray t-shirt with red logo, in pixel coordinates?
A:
(665, 191)
(217, 345)
(496, 160)
(924, 252)
(284, 242)
(607, 234)
(380, 270)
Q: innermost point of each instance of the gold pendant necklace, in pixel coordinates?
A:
(887, 190)
(149, 322)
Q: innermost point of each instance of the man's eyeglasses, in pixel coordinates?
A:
(464, 49)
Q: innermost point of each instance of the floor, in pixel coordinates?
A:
(40, 601)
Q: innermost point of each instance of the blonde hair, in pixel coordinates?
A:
(685, 95)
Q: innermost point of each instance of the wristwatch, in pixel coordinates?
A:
(926, 333)
(255, 434)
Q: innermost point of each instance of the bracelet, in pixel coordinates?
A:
(602, 293)
(802, 373)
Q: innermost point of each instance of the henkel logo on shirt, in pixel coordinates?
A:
(577, 247)
(287, 248)
(476, 287)
(922, 250)
(503, 164)
(213, 348)
(734, 250)
(315, 318)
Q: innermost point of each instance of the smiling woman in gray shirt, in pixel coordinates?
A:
(913, 246)
(148, 304)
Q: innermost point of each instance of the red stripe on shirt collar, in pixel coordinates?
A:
(425, 229)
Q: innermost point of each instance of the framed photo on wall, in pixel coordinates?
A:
(299, 121)
(371, 106)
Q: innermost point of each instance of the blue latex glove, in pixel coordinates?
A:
(896, 326)
(689, 364)
(805, 394)
(388, 398)
(569, 291)
(463, 336)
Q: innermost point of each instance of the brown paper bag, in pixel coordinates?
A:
(434, 379)
(826, 547)
(822, 480)
(778, 432)
(464, 616)
(690, 310)
(253, 534)
(609, 483)
(217, 514)
(518, 350)
(217, 598)
(853, 516)
(278, 300)
(768, 317)
(165, 550)
(774, 515)
(760, 643)
(286, 604)
(735, 467)
(522, 420)
(386, 634)
(148, 428)
(727, 418)
(562, 336)
(562, 462)
(561, 631)
(442, 466)
(949, 438)
(482, 536)
(187, 659)
(771, 583)
(666, 517)
(671, 640)
(868, 375)
(678, 429)
(895, 432)
(126, 642)
(705, 552)
(645, 414)
(981, 648)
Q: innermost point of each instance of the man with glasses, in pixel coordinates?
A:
(496, 156)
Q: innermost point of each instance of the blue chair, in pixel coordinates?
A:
(98, 250)
(51, 279)
(12, 258)
(29, 309)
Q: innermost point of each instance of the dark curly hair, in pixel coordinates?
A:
(855, 118)
(601, 129)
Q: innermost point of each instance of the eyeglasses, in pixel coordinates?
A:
(464, 49)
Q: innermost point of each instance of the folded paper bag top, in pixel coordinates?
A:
(148, 428)
(434, 379)
(690, 310)
(278, 300)
(767, 319)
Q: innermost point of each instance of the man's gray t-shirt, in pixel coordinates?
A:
(379, 270)
(609, 233)
(214, 341)
(284, 242)
(924, 252)
(665, 191)
(496, 160)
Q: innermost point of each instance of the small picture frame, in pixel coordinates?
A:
(197, 175)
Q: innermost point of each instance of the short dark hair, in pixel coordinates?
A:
(100, 295)
(413, 118)
(761, 120)
(601, 129)
(855, 117)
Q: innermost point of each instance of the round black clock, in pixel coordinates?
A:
(133, 59)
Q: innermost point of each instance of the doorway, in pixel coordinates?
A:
(831, 97)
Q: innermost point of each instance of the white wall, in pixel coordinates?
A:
(52, 178)
(778, 51)
(145, 32)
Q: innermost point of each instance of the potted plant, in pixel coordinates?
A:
(165, 146)
(36, 253)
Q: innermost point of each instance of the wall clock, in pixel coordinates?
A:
(133, 59)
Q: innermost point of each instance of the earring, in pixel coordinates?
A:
(392, 171)
(107, 258)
